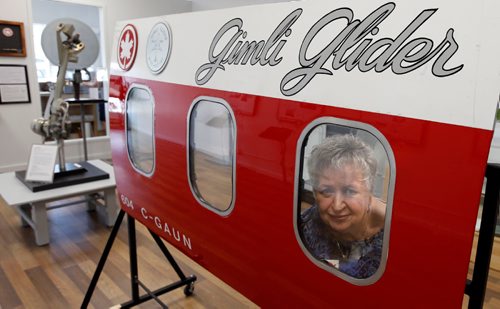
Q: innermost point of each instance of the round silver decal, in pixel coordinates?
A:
(158, 47)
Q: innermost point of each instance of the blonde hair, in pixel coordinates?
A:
(337, 151)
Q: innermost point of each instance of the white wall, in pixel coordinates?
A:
(116, 10)
(16, 136)
(200, 5)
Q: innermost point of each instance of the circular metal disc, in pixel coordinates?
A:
(86, 57)
(158, 47)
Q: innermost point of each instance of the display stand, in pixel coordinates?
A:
(476, 288)
(77, 80)
(82, 102)
(137, 299)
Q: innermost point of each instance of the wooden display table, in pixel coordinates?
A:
(32, 205)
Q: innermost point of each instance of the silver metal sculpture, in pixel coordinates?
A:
(57, 124)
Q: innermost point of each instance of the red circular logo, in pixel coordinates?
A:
(127, 47)
(8, 32)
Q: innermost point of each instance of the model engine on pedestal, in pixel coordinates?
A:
(77, 48)
(57, 125)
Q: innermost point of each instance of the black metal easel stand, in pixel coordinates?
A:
(137, 299)
(476, 288)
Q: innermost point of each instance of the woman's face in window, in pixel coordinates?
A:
(343, 200)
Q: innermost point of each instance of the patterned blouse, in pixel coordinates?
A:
(358, 259)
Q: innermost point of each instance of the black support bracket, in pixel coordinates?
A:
(185, 281)
(476, 288)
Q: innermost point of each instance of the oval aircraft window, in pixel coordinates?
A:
(344, 189)
(211, 154)
(140, 129)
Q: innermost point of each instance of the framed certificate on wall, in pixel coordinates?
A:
(12, 43)
(14, 86)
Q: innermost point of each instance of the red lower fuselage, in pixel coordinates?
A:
(254, 248)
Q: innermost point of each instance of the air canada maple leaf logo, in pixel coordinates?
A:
(127, 47)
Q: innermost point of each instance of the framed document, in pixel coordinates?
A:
(14, 86)
(12, 43)
(41, 163)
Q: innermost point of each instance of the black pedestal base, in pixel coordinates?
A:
(71, 169)
(75, 174)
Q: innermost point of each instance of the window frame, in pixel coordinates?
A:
(137, 169)
(193, 188)
(299, 163)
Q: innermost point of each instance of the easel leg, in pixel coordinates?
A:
(132, 247)
(168, 255)
(187, 282)
(476, 288)
(103, 259)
